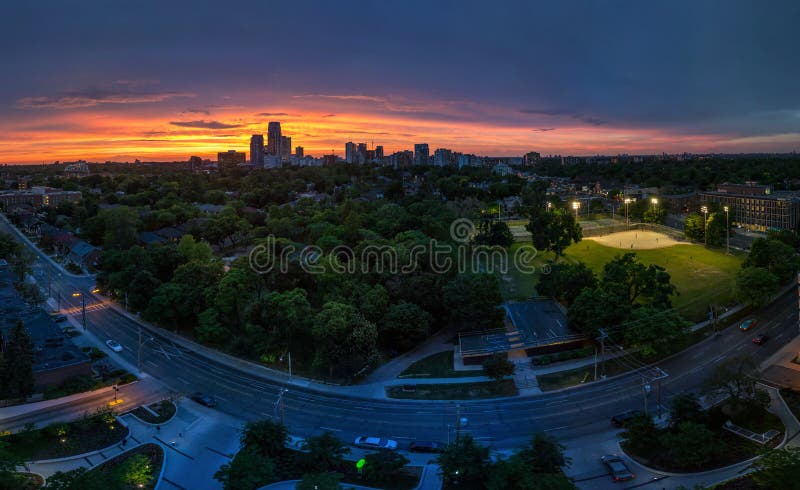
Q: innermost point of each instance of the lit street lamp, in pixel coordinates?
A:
(549, 206)
(576, 205)
(627, 203)
(704, 209)
(727, 232)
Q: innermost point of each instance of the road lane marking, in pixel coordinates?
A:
(330, 429)
(557, 428)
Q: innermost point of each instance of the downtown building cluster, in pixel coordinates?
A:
(276, 151)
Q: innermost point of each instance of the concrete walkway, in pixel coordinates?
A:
(439, 342)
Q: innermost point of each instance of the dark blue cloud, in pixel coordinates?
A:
(696, 65)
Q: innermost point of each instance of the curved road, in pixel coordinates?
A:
(499, 423)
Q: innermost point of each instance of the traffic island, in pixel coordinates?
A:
(704, 441)
(155, 413)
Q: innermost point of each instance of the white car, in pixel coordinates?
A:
(114, 345)
(365, 442)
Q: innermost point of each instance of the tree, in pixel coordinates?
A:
(654, 214)
(597, 308)
(735, 377)
(515, 474)
(320, 481)
(777, 467)
(565, 281)
(694, 227)
(404, 326)
(691, 445)
(775, 256)
(383, 466)
(120, 225)
(136, 471)
(265, 437)
(246, 471)
(22, 262)
(9, 461)
(755, 286)
(324, 453)
(654, 331)
(17, 365)
(464, 463)
(543, 454)
(649, 284)
(685, 408)
(472, 299)
(493, 233)
(641, 436)
(192, 250)
(554, 230)
(497, 366)
(344, 341)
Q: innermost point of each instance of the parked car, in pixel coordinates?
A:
(365, 442)
(203, 399)
(59, 318)
(620, 419)
(114, 345)
(616, 465)
(748, 324)
(426, 447)
(760, 339)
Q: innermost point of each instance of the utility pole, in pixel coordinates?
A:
(279, 404)
(659, 397)
(458, 422)
(602, 338)
(595, 363)
(140, 346)
(645, 385)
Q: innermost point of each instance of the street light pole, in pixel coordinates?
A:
(576, 205)
(627, 218)
(727, 232)
(704, 209)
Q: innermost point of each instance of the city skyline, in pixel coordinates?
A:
(557, 79)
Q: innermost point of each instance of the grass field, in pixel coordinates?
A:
(439, 365)
(702, 275)
(456, 391)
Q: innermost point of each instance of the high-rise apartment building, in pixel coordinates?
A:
(362, 152)
(443, 157)
(274, 138)
(286, 147)
(257, 149)
(379, 152)
(350, 152)
(299, 152)
(421, 154)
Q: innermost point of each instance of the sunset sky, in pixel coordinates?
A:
(103, 80)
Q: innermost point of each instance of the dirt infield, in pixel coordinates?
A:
(636, 240)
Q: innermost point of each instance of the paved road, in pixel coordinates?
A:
(500, 423)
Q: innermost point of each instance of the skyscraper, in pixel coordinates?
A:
(421, 154)
(286, 147)
(350, 152)
(379, 152)
(257, 149)
(274, 138)
(362, 152)
(298, 152)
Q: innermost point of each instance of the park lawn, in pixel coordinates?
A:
(456, 391)
(112, 468)
(577, 376)
(439, 365)
(59, 440)
(701, 275)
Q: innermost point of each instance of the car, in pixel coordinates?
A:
(203, 399)
(426, 447)
(114, 345)
(620, 419)
(616, 465)
(59, 318)
(748, 324)
(760, 339)
(365, 442)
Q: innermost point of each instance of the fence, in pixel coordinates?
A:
(594, 231)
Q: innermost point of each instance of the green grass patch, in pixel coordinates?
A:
(60, 439)
(439, 365)
(83, 383)
(702, 275)
(164, 409)
(456, 391)
(545, 359)
(581, 375)
(114, 472)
